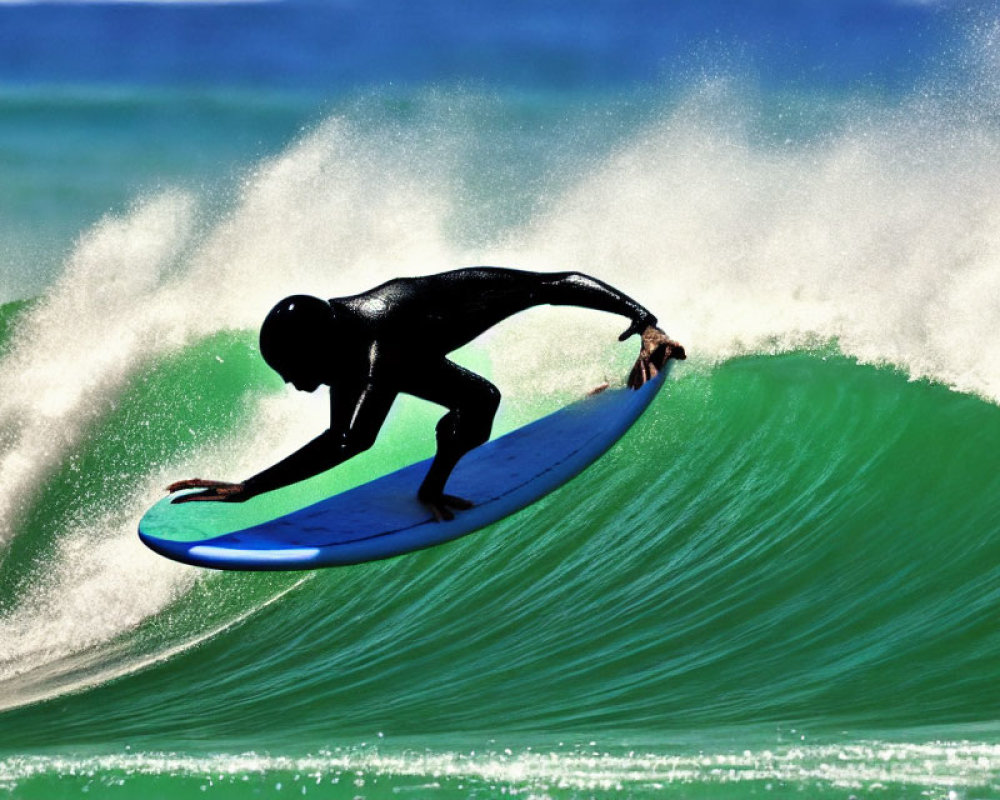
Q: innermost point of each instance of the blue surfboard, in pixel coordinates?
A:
(383, 518)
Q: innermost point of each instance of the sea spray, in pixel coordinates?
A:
(883, 234)
(138, 288)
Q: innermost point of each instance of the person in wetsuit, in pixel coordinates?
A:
(396, 338)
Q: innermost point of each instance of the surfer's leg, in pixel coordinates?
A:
(472, 403)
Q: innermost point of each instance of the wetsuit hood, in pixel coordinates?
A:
(294, 331)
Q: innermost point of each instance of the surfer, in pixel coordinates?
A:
(395, 338)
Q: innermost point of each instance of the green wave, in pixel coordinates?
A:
(787, 541)
(782, 538)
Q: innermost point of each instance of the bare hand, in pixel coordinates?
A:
(213, 490)
(656, 348)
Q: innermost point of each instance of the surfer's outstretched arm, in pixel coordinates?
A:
(575, 288)
(585, 291)
(464, 303)
(355, 420)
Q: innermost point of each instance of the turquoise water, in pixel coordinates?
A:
(782, 581)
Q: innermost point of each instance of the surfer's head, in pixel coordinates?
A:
(294, 332)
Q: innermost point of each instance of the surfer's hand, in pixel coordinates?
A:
(213, 490)
(656, 348)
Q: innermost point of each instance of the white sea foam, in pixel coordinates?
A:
(870, 765)
(884, 235)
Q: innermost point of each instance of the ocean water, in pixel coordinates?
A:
(784, 581)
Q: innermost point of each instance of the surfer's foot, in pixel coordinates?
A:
(440, 505)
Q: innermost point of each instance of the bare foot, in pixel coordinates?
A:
(441, 505)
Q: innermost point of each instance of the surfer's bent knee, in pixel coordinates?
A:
(470, 424)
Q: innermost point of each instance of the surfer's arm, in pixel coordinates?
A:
(575, 288)
(324, 452)
(578, 289)
(355, 420)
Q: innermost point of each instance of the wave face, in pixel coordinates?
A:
(783, 578)
(781, 538)
(784, 543)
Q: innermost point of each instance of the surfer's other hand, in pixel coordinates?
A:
(656, 348)
(212, 490)
(439, 505)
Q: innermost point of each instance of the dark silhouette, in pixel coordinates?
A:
(395, 338)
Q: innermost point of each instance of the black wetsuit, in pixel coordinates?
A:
(396, 338)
